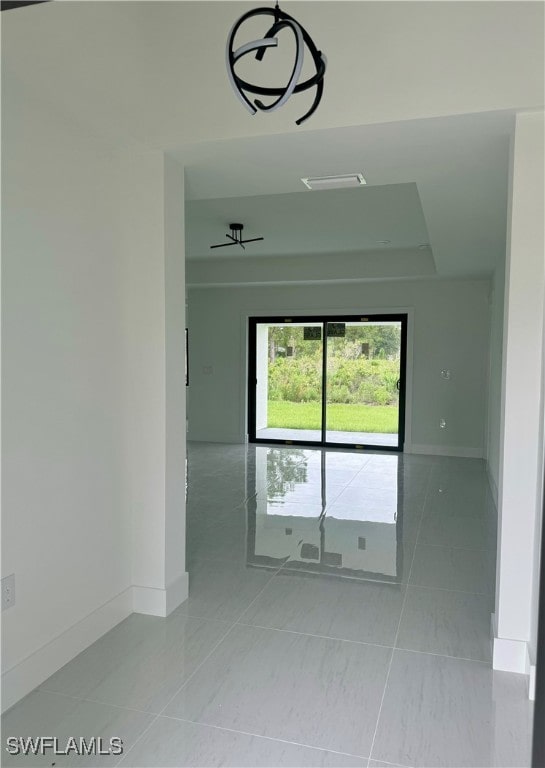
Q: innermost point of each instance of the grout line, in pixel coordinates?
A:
(399, 622)
(233, 625)
(311, 634)
(260, 736)
(445, 589)
(277, 571)
(96, 701)
(444, 656)
(158, 714)
(361, 642)
(228, 622)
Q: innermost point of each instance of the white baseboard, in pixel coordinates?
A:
(36, 668)
(531, 672)
(444, 450)
(161, 602)
(508, 655)
(513, 656)
(229, 439)
(492, 484)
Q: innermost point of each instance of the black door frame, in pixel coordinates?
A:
(253, 322)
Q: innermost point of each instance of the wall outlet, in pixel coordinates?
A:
(8, 591)
(442, 424)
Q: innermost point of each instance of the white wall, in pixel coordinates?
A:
(152, 240)
(65, 512)
(93, 392)
(495, 377)
(176, 577)
(451, 320)
(520, 490)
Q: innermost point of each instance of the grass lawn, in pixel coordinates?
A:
(342, 418)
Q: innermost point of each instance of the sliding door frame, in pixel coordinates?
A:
(253, 322)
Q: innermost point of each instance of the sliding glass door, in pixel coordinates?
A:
(289, 381)
(363, 379)
(328, 380)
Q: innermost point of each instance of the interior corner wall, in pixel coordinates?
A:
(64, 502)
(152, 199)
(176, 577)
(451, 330)
(495, 378)
(521, 450)
(533, 644)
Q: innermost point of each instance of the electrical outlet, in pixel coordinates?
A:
(8, 592)
(442, 424)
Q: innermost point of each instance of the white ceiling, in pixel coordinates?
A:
(440, 181)
(310, 222)
(152, 74)
(419, 96)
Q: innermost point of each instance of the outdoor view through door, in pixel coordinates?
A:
(328, 380)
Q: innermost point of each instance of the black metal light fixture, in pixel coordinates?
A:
(236, 237)
(282, 21)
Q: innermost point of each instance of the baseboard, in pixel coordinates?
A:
(229, 439)
(161, 602)
(36, 668)
(492, 484)
(508, 655)
(444, 450)
(531, 672)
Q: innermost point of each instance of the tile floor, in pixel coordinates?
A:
(338, 615)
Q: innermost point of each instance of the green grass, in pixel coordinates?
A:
(340, 417)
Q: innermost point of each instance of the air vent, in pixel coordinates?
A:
(334, 182)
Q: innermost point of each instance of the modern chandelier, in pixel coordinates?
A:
(282, 21)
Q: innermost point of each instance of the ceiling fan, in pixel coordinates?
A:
(236, 237)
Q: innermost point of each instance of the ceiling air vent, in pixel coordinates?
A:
(334, 182)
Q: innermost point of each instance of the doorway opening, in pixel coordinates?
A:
(328, 380)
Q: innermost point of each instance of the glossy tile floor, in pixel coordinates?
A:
(338, 615)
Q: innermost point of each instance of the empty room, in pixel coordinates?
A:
(272, 383)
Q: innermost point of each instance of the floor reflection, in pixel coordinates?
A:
(326, 512)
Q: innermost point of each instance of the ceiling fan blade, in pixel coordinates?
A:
(224, 245)
(252, 240)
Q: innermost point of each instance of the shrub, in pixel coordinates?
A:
(356, 381)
